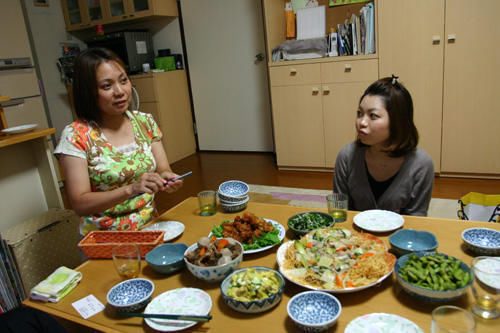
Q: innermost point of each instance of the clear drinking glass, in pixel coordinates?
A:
(452, 319)
(486, 286)
(127, 260)
(208, 202)
(337, 206)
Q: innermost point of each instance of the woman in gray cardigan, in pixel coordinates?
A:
(383, 168)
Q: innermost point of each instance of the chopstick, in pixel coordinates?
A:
(167, 316)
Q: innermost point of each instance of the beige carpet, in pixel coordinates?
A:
(442, 208)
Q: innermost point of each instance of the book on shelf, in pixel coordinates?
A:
(11, 287)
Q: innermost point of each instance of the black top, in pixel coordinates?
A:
(378, 188)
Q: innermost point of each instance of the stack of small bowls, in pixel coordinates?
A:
(233, 195)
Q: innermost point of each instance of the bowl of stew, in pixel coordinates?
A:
(212, 259)
(305, 222)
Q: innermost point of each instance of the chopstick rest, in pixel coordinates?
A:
(167, 316)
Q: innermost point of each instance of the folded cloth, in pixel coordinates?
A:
(57, 285)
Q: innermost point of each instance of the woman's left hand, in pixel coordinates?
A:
(171, 186)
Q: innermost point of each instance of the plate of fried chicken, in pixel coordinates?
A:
(257, 234)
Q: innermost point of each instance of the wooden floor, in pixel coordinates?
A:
(212, 168)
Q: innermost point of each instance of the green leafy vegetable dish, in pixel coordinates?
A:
(305, 222)
(256, 234)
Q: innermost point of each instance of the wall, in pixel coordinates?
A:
(49, 31)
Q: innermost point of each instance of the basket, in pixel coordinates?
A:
(98, 244)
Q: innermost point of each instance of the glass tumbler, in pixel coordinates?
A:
(486, 286)
(337, 206)
(452, 319)
(208, 202)
(127, 260)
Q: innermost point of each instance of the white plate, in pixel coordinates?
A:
(19, 129)
(382, 323)
(280, 258)
(377, 220)
(186, 301)
(172, 229)
(281, 236)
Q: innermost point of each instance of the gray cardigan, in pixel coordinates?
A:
(409, 193)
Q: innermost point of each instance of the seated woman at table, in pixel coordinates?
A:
(112, 158)
(383, 168)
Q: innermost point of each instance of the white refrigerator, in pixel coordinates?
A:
(18, 77)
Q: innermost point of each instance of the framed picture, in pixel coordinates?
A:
(41, 3)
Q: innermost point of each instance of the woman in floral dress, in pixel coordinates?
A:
(112, 158)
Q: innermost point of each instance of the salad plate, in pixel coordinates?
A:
(182, 301)
(380, 323)
(377, 220)
(172, 229)
(281, 236)
(280, 257)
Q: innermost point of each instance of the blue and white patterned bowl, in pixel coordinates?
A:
(213, 273)
(131, 295)
(229, 200)
(167, 258)
(234, 207)
(430, 295)
(314, 311)
(406, 241)
(233, 189)
(482, 241)
(253, 306)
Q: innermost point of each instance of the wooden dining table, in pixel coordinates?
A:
(387, 297)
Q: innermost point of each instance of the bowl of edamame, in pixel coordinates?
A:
(433, 277)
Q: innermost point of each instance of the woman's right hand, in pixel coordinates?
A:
(149, 182)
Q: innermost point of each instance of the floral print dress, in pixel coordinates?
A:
(110, 167)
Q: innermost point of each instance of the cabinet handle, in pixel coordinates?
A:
(436, 39)
(326, 90)
(293, 71)
(315, 90)
(347, 68)
(452, 38)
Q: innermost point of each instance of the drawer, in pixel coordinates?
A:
(145, 88)
(294, 75)
(350, 71)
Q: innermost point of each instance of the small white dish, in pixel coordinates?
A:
(382, 322)
(172, 229)
(185, 301)
(377, 220)
(19, 129)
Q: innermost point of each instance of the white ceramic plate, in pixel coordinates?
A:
(186, 301)
(280, 258)
(377, 220)
(20, 129)
(382, 323)
(281, 236)
(172, 229)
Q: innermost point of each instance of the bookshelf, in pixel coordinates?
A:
(314, 100)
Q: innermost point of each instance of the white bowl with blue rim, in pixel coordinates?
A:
(314, 311)
(233, 190)
(252, 306)
(130, 295)
(213, 273)
(430, 295)
(482, 241)
(406, 241)
(235, 206)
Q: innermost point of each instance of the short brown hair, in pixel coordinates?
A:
(85, 81)
(403, 136)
